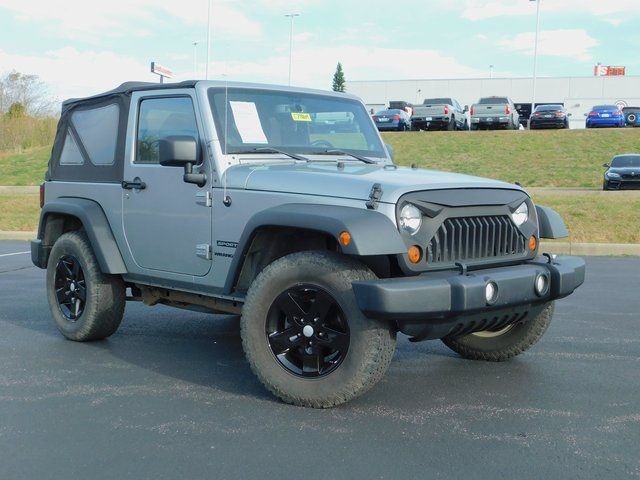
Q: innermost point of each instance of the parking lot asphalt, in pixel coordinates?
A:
(171, 396)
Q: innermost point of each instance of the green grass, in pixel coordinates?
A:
(534, 159)
(19, 212)
(549, 158)
(597, 217)
(25, 168)
(591, 217)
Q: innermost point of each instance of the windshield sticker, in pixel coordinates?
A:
(248, 122)
(300, 117)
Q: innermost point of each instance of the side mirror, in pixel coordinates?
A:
(569, 114)
(390, 150)
(586, 114)
(182, 151)
(606, 165)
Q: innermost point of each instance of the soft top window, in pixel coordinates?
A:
(98, 132)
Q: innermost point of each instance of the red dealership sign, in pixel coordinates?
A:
(608, 71)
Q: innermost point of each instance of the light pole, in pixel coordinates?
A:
(490, 71)
(206, 75)
(535, 54)
(195, 59)
(418, 92)
(291, 17)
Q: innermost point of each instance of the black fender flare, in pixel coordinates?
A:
(550, 223)
(372, 233)
(95, 224)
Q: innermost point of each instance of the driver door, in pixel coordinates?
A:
(167, 224)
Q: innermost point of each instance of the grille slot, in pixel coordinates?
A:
(474, 238)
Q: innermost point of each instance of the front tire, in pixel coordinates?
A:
(86, 304)
(305, 337)
(505, 343)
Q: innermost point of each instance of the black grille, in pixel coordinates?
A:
(474, 238)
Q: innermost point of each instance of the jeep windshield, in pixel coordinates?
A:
(250, 120)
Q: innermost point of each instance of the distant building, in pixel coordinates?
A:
(577, 94)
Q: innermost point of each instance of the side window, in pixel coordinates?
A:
(70, 152)
(160, 118)
(98, 132)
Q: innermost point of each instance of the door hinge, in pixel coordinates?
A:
(204, 251)
(204, 198)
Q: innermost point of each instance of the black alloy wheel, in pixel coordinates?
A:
(70, 286)
(307, 331)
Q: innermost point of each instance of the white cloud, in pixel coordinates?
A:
(614, 21)
(85, 20)
(72, 73)
(483, 9)
(557, 43)
(314, 66)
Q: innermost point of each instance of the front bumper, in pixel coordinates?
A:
(433, 305)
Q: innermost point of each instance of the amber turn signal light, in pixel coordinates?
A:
(533, 243)
(344, 238)
(414, 253)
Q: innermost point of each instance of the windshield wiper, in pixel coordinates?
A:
(340, 152)
(275, 150)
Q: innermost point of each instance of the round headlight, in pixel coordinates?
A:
(521, 214)
(410, 219)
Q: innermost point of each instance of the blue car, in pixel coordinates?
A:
(605, 116)
(392, 119)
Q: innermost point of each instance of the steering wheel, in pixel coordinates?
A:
(322, 143)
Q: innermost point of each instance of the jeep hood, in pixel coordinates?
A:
(354, 181)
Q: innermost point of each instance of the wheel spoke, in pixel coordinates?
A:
(282, 341)
(321, 305)
(75, 268)
(333, 338)
(62, 294)
(68, 272)
(311, 363)
(81, 292)
(62, 271)
(290, 306)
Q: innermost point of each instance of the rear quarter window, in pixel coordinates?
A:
(98, 132)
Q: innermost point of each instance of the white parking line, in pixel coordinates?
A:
(10, 254)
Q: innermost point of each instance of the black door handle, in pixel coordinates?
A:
(133, 185)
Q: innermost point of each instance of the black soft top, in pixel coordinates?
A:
(125, 89)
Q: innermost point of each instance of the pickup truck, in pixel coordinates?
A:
(439, 114)
(493, 113)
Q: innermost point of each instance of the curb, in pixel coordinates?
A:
(6, 235)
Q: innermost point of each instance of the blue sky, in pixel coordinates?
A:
(79, 47)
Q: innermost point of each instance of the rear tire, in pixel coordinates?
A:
(505, 343)
(86, 304)
(452, 124)
(293, 370)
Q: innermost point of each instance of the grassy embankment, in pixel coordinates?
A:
(535, 159)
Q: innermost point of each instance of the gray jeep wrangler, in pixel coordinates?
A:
(283, 206)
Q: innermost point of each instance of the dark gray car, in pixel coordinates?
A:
(282, 205)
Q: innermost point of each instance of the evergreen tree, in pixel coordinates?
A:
(338, 79)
